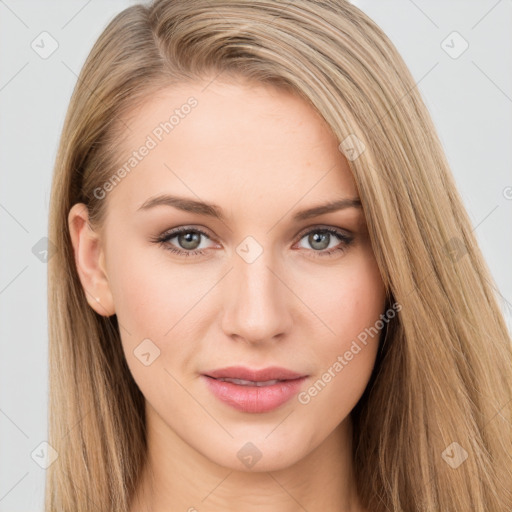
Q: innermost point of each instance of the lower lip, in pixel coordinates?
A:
(254, 398)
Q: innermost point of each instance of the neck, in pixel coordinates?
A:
(176, 477)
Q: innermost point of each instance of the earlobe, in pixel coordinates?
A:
(90, 261)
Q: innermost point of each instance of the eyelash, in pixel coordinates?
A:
(164, 239)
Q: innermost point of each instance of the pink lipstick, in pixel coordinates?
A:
(254, 391)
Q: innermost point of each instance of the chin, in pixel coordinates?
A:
(253, 453)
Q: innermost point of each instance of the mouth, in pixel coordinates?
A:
(243, 373)
(257, 383)
(249, 393)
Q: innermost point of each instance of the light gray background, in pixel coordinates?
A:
(469, 97)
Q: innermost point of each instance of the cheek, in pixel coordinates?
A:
(351, 299)
(153, 299)
(350, 305)
(151, 293)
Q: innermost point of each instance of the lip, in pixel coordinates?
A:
(262, 375)
(254, 399)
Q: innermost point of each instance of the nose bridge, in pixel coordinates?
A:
(257, 305)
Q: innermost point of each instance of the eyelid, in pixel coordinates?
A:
(345, 240)
(306, 230)
(185, 228)
(320, 227)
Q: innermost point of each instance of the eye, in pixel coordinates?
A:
(188, 241)
(321, 238)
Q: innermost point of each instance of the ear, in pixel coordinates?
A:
(90, 261)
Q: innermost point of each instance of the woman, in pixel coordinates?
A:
(268, 294)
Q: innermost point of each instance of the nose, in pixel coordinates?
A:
(257, 303)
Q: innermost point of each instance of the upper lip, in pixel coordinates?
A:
(262, 375)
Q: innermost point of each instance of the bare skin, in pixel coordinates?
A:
(261, 155)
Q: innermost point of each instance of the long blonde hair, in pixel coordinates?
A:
(442, 383)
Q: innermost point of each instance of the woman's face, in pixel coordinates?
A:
(262, 277)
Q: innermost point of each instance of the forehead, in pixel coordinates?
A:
(221, 139)
(216, 111)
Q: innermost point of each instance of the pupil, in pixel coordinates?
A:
(189, 240)
(322, 238)
(317, 240)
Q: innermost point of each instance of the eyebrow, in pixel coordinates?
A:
(212, 210)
